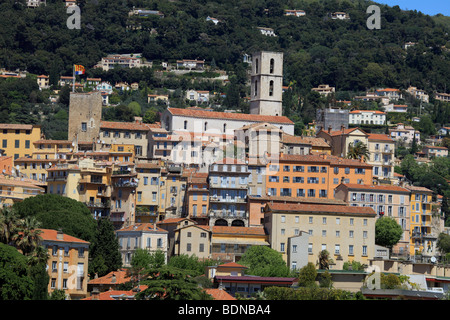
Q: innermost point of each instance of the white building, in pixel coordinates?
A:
(132, 60)
(419, 94)
(324, 89)
(296, 13)
(267, 31)
(143, 236)
(197, 95)
(340, 16)
(392, 94)
(404, 133)
(402, 108)
(367, 117)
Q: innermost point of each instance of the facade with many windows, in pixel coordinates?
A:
(346, 232)
(386, 200)
(67, 265)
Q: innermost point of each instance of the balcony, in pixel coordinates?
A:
(227, 200)
(98, 204)
(228, 214)
(126, 184)
(91, 181)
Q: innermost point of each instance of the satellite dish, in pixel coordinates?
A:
(433, 259)
(50, 164)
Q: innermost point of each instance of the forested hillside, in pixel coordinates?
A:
(317, 50)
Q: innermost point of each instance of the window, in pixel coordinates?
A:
(188, 247)
(283, 218)
(337, 249)
(272, 65)
(350, 234)
(84, 126)
(4, 143)
(271, 88)
(364, 253)
(17, 144)
(27, 144)
(282, 247)
(185, 125)
(350, 249)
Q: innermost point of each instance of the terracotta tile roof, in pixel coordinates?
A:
(317, 142)
(19, 183)
(435, 147)
(148, 166)
(388, 89)
(121, 275)
(231, 265)
(144, 227)
(16, 126)
(229, 115)
(379, 187)
(345, 132)
(255, 279)
(296, 200)
(383, 137)
(229, 161)
(287, 138)
(300, 207)
(124, 126)
(52, 142)
(369, 111)
(219, 294)
(417, 188)
(172, 220)
(317, 158)
(242, 231)
(51, 235)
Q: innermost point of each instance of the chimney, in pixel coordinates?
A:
(113, 278)
(329, 129)
(342, 128)
(60, 235)
(95, 294)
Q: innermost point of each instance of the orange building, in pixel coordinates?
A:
(67, 264)
(312, 176)
(197, 197)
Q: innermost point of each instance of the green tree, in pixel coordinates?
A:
(9, 225)
(15, 282)
(358, 151)
(58, 212)
(265, 262)
(387, 232)
(169, 283)
(104, 250)
(307, 276)
(443, 243)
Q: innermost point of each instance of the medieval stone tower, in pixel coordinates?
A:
(267, 83)
(85, 113)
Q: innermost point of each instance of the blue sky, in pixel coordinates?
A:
(430, 7)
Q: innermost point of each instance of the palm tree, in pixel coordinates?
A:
(28, 239)
(358, 151)
(324, 262)
(9, 222)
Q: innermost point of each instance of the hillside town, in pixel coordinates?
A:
(213, 184)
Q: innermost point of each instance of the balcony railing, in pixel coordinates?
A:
(227, 214)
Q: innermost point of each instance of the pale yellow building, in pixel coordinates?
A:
(426, 223)
(147, 192)
(68, 263)
(346, 232)
(17, 139)
(193, 239)
(14, 190)
(230, 243)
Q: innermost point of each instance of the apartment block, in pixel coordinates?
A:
(68, 263)
(385, 200)
(146, 236)
(312, 176)
(197, 197)
(147, 192)
(382, 155)
(17, 139)
(347, 233)
(193, 239)
(228, 186)
(426, 222)
(14, 190)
